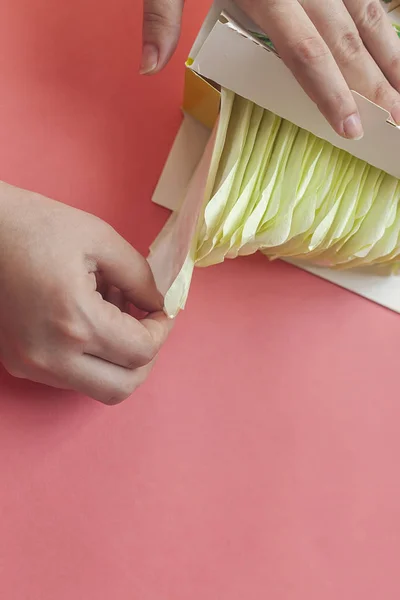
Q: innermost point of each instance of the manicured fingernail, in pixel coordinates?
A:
(395, 112)
(352, 127)
(149, 59)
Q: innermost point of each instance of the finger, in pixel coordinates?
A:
(161, 28)
(122, 340)
(337, 27)
(114, 296)
(96, 282)
(101, 380)
(309, 58)
(381, 40)
(89, 375)
(123, 267)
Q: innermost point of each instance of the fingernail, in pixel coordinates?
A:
(149, 59)
(352, 127)
(395, 112)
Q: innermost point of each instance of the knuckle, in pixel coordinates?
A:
(334, 103)
(148, 353)
(74, 330)
(308, 50)
(371, 16)
(381, 93)
(69, 321)
(395, 63)
(158, 20)
(349, 47)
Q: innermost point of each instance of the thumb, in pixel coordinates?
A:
(161, 28)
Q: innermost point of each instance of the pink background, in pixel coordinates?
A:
(262, 458)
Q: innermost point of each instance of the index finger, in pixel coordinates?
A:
(308, 57)
(120, 339)
(123, 267)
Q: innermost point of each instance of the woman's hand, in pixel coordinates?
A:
(55, 326)
(331, 46)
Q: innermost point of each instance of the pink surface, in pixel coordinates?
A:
(261, 459)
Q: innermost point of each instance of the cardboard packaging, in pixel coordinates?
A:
(390, 5)
(231, 52)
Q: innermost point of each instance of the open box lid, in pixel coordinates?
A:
(223, 52)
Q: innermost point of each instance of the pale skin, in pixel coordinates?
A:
(67, 278)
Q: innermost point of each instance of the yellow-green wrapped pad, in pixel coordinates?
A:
(277, 188)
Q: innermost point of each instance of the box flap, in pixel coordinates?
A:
(225, 56)
(201, 100)
(395, 16)
(384, 290)
(182, 162)
(218, 7)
